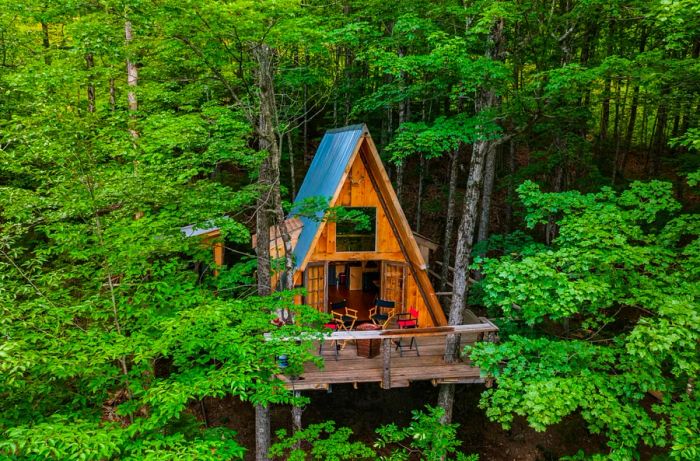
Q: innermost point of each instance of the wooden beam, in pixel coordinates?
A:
(218, 257)
(435, 274)
(357, 256)
(439, 263)
(486, 326)
(458, 381)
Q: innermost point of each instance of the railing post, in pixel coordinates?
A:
(386, 359)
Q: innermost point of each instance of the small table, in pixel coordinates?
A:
(368, 348)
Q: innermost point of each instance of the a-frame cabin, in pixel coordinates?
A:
(335, 261)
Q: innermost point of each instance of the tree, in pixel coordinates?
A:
(600, 320)
(594, 94)
(486, 101)
(109, 334)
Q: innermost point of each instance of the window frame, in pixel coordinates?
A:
(374, 233)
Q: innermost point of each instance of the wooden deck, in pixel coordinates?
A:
(390, 369)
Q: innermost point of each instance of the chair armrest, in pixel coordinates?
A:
(351, 312)
(372, 311)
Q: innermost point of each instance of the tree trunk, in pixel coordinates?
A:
(511, 188)
(45, 42)
(658, 141)
(632, 113)
(551, 229)
(292, 179)
(605, 115)
(421, 178)
(296, 417)
(132, 78)
(465, 234)
(90, 62)
(112, 95)
(287, 281)
(449, 221)
(269, 199)
(306, 111)
(630, 129)
(403, 117)
(399, 180)
(347, 69)
(618, 124)
(262, 432)
(4, 49)
(489, 180)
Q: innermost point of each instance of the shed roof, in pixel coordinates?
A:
(199, 229)
(322, 180)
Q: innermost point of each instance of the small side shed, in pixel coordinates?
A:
(426, 246)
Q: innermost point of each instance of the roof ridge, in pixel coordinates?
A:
(357, 126)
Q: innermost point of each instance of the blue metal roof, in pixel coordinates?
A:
(323, 179)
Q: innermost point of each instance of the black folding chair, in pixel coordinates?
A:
(346, 316)
(382, 312)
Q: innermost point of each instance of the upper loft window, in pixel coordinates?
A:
(358, 231)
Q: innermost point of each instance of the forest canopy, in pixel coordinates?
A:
(552, 149)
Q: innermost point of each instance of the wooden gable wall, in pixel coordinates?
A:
(358, 190)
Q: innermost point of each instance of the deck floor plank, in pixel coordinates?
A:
(349, 368)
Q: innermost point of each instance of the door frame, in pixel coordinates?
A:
(382, 286)
(324, 283)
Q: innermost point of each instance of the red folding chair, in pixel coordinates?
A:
(408, 320)
(333, 326)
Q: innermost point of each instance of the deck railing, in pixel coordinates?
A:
(485, 327)
(485, 330)
(482, 330)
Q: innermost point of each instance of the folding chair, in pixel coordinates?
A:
(345, 320)
(407, 320)
(343, 315)
(382, 312)
(333, 326)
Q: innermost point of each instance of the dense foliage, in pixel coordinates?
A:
(425, 437)
(121, 122)
(112, 322)
(601, 320)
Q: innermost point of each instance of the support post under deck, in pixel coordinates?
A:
(386, 359)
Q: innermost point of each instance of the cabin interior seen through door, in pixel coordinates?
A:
(329, 282)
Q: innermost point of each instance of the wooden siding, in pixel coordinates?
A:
(358, 191)
(427, 303)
